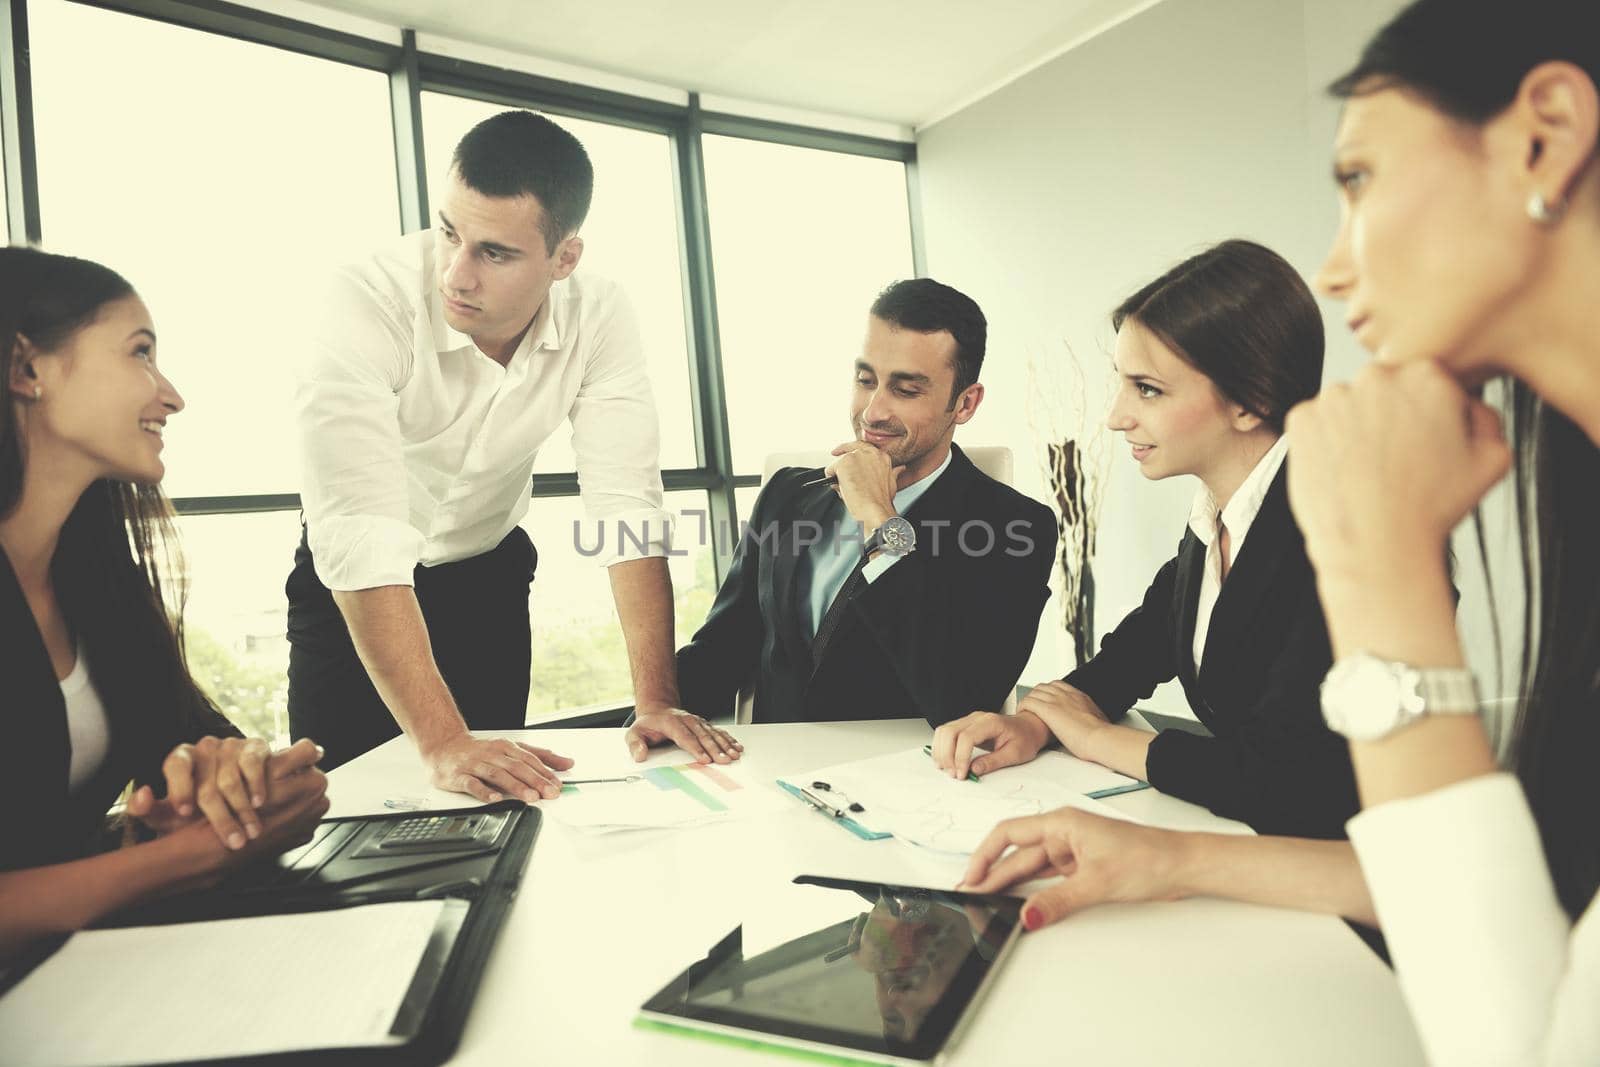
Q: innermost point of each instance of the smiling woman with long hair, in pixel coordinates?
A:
(1469, 250)
(96, 689)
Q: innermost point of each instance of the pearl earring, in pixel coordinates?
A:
(38, 391)
(1543, 211)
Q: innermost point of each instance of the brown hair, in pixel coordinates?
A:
(1243, 317)
(116, 561)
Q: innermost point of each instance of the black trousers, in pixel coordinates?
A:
(476, 612)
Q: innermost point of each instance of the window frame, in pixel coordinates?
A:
(412, 72)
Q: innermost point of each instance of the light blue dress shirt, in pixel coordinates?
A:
(829, 562)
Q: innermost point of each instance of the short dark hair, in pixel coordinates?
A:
(518, 153)
(927, 306)
(1242, 316)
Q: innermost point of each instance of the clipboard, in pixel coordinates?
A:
(880, 786)
(345, 865)
(843, 820)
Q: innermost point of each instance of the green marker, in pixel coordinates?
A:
(972, 775)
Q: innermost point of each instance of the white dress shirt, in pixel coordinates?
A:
(88, 729)
(418, 448)
(1240, 513)
(1493, 971)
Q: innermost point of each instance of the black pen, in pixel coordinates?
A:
(820, 805)
(826, 479)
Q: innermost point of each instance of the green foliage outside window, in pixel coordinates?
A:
(574, 666)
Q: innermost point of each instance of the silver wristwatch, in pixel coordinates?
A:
(896, 537)
(1365, 698)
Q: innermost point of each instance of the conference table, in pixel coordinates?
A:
(604, 920)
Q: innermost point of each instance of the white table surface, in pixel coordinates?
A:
(604, 921)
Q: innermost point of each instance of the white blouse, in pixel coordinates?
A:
(88, 730)
(1207, 521)
(1492, 969)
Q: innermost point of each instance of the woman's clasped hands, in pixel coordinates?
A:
(247, 794)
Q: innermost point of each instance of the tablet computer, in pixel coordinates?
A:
(879, 973)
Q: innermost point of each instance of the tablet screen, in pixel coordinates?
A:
(877, 968)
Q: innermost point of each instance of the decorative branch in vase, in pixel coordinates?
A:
(1062, 419)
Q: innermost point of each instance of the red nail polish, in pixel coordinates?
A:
(1032, 918)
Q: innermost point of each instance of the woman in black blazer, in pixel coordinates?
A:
(95, 690)
(1210, 358)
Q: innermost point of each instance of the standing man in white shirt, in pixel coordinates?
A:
(442, 363)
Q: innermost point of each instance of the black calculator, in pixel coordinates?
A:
(429, 834)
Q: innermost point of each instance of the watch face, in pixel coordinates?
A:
(899, 536)
(1365, 698)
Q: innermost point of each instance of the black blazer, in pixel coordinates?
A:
(1273, 762)
(943, 632)
(44, 823)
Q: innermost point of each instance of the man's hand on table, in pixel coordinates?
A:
(654, 726)
(492, 769)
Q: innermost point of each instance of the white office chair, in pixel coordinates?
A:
(995, 462)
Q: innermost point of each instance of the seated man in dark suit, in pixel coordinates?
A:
(900, 581)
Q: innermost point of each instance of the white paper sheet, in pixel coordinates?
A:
(904, 794)
(233, 987)
(665, 795)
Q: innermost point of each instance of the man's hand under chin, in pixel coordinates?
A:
(866, 479)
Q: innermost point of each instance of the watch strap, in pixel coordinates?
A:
(1447, 691)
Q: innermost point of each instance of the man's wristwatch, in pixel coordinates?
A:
(1365, 698)
(896, 537)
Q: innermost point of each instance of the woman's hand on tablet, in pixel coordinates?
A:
(1100, 861)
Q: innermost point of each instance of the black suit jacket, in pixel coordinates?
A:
(1272, 761)
(943, 632)
(44, 822)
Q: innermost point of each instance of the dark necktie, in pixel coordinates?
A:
(836, 612)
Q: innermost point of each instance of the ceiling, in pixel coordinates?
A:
(908, 62)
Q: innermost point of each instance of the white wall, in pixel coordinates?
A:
(1062, 193)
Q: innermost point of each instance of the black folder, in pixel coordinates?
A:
(471, 858)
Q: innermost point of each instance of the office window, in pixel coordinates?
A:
(236, 614)
(235, 617)
(579, 658)
(801, 242)
(745, 501)
(630, 237)
(223, 179)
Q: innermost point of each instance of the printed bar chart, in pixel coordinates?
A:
(674, 778)
(683, 794)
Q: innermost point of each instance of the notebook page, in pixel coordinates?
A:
(232, 987)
